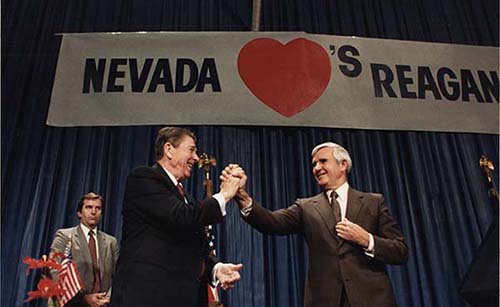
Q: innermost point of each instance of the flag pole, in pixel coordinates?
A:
(207, 162)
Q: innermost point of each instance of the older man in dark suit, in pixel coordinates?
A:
(93, 251)
(165, 259)
(350, 234)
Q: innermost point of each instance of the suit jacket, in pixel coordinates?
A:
(164, 258)
(333, 262)
(108, 255)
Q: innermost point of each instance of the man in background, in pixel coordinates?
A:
(94, 252)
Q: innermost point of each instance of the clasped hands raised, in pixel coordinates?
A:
(233, 181)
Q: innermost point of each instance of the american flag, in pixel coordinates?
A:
(68, 279)
(213, 293)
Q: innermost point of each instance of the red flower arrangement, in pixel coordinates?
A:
(46, 287)
(45, 262)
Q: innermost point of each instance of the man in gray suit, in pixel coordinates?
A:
(350, 234)
(94, 253)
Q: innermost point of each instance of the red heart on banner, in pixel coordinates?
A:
(287, 78)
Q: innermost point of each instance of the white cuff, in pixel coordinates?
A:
(370, 251)
(246, 211)
(222, 203)
(215, 281)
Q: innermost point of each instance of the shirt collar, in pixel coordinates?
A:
(341, 191)
(86, 230)
(170, 175)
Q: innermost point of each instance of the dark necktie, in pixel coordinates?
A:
(336, 207)
(93, 254)
(181, 189)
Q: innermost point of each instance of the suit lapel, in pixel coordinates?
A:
(84, 246)
(322, 205)
(354, 205)
(78, 253)
(168, 182)
(75, 238)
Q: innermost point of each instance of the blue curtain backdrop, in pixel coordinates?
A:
(432, 181)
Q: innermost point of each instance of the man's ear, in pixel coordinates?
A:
(167, 150)
(79, 214)
(343, 165)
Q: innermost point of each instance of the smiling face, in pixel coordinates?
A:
(329, 173)
(180, 160)
(90, 214)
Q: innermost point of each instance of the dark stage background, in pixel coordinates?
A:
(432, 181)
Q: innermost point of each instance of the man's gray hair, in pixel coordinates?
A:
(339, 153)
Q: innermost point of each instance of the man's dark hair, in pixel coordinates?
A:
(173, 135)
(89, 196)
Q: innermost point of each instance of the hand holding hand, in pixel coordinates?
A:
(350, 231)
(229, 187)
(234, 170)
(228, 274)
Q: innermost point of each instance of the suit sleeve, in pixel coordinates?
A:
(390, 247)
(148, 195)
(115, 251)
(279, 222)
(58, 245)
(210, 262)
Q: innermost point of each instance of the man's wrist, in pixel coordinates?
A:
(215, 280)
(222, 202)
(370, 250)
(371, 243)
(243, 199)
(227, 196)
(246, 209)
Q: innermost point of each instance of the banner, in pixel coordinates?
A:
(274, 78)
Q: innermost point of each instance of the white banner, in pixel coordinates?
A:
(274, 78)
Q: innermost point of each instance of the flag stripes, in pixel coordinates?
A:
(69, 280)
